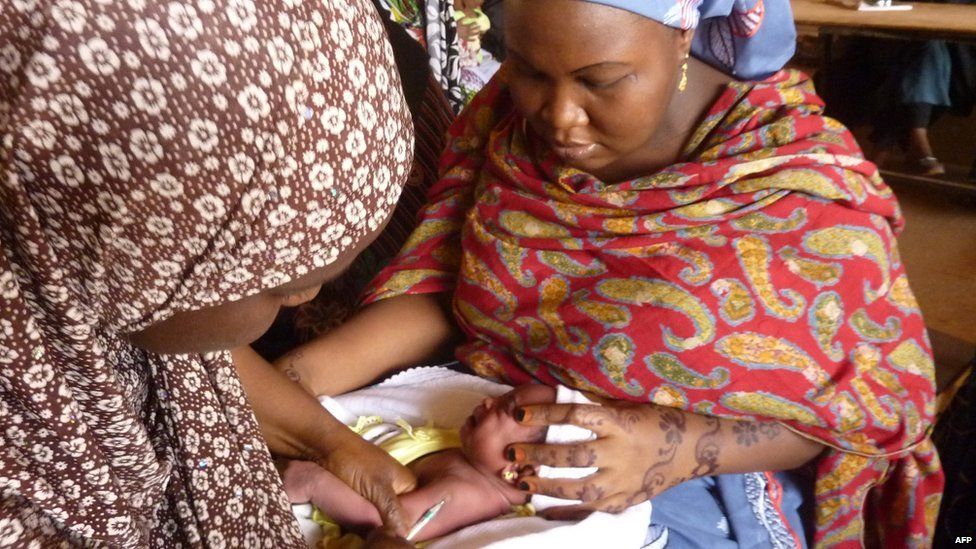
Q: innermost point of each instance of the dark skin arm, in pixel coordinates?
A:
(642, 450)
(303, 429)
(387, 335)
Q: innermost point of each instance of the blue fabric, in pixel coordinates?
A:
(748, 39)
(927, 75)
(731, 511)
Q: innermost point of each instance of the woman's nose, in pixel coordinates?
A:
(563, 111)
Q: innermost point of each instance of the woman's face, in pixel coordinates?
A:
(491, 427)
(237, 323)
(593, 82)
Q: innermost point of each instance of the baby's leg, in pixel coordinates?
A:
(305, 482)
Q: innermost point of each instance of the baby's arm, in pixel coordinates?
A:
(470, 496)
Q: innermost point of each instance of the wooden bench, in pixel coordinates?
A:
(924, 21)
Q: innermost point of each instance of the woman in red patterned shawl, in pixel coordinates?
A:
(690, 238)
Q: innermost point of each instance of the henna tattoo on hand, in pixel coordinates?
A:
(589, 492)
(626, 418)
(581, 456)
(707, 450)
(673, 424)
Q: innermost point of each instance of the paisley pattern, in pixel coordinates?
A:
(748, 281)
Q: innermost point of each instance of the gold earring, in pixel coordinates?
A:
(683, 82)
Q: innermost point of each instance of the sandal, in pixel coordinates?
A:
(926, 165)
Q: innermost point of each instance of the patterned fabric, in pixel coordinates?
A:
(339, 299)
(759, 278)
(432, 23)
(740, 37)
(158, 158)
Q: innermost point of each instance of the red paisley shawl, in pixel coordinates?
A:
(759, 278)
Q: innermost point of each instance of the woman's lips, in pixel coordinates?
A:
(573, 152)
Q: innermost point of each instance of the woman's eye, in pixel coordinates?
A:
(602, 83)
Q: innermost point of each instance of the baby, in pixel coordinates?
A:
(471, 474)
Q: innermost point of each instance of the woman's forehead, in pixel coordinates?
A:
(574, 12)
(586, 32)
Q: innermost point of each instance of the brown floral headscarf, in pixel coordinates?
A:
(158, 157)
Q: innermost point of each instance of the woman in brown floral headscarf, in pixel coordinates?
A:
(171, 173)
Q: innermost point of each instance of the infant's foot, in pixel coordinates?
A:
(299, 478)
(307, 482)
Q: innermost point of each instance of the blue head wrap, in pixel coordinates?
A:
(739, 37)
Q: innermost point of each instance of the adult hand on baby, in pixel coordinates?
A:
(373, 474)
(636, 452)
(383, 539)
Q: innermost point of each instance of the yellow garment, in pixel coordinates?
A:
(407, 446)
(414, 443)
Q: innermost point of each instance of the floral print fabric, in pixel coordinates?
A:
(158, 157)
(758, 278)
(432, 24)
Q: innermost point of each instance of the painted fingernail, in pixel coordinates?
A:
(524, 486)
(515, 454)
(521, 414)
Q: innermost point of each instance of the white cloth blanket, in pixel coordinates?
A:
(446, 398)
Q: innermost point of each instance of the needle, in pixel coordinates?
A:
(425, 519)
